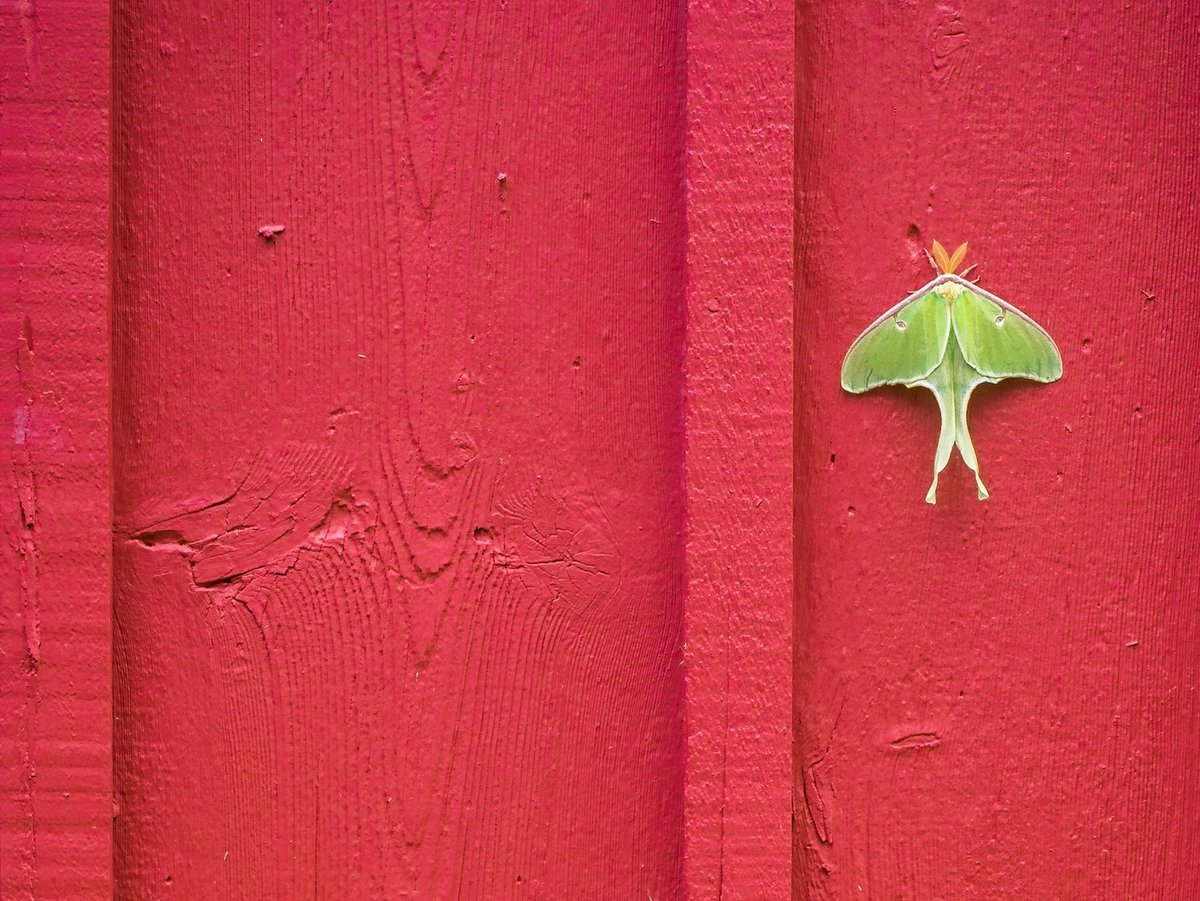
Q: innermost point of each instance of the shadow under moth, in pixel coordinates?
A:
(950, 336)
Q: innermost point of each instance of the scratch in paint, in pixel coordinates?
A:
(27, 13)
(23, 474)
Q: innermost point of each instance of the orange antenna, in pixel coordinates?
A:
(956, 258)
(947, 263)
(943, 262)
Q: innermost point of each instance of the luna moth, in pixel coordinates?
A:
(950, 336)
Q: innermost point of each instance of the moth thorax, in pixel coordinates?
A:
(948, 290)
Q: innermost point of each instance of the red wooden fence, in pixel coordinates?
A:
(476, 531)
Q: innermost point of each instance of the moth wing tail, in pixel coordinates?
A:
(946, 437)
(962, 438)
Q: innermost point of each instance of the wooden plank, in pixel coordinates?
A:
(398, 415)
(739, 450)
(998, 699)
(55, 539)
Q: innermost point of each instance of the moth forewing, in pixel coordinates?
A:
(904, 344)
(999, 340)
(1000, 301)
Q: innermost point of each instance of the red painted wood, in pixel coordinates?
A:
(55, 543)
(998, 699)
(399, 496)
(739, 450)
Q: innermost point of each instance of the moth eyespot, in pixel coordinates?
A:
(1000, 319)
(901, 325)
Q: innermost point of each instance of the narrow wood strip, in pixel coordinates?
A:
(738, 612)
(56, 803)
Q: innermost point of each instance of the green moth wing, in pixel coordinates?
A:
(999, 341)
(903, 346)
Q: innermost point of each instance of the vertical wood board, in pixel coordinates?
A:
(399, 566)
(739, 450)
(998, 699)
(55, 540)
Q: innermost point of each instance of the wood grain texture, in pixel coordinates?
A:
(998, 699)
(55, 543)
(739, 449)
(398, 379)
